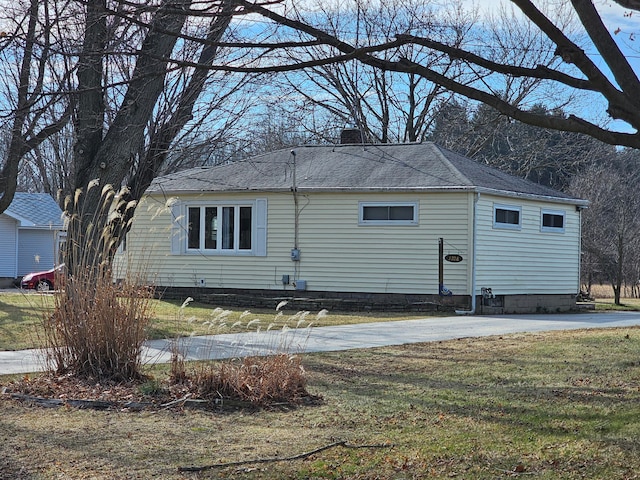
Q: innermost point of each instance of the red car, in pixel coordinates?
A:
(42, 281)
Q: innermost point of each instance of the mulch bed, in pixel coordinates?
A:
(51, 391)
(55, 391)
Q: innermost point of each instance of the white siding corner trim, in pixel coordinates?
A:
(8, 247)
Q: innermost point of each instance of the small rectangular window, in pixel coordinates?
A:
(388, 213)
(552, 220)
(506, 216)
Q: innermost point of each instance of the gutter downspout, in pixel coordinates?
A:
(579, 252)
(473, 260)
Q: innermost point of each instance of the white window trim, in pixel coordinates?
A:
(362, 205)
(561, 213)
(507, 226)
(122, 246)
(180, 228)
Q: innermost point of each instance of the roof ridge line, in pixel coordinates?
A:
(452, 167)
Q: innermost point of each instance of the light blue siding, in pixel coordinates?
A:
(36, 250)
(8, 244)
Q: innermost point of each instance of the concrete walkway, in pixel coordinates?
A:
(345, 337)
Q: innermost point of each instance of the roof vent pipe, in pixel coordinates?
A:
(351, 136)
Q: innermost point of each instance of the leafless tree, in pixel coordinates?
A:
(545, 156)
(385, 106)
(120, 82)
(48, 168)
(610, 85)
(119, 59)
(611, 224)
(123, 130)
(32, 72)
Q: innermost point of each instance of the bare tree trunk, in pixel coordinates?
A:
(617, 288)
(105, 159)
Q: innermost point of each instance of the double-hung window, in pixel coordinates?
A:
(552, 221)
(220, 228)
(388, 213)
(507, 216)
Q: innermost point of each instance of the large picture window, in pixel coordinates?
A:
(507, 216)
(220, 227)
(223, 228)
(390, 213)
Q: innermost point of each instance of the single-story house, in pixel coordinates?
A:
(360, 226)
(31, 232)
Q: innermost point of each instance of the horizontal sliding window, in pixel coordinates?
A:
(507, 216)
(392, 213)
(552, 221)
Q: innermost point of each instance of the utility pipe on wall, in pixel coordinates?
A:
(473, 259)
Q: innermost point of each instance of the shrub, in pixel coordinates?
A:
(97, 328)
(260, 381)
(276, 376)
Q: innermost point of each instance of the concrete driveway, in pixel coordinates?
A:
(345, 337)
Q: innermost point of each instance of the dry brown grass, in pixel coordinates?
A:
(601, 291)
(276, 376)
(258, 381)
(604, 292)
(97, 329)
(560, 405)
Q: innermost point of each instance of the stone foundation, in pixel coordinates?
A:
(315, 301)
(506, 304)
(370, 302)
(7, 282)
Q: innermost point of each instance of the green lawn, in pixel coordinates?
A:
(628, 304)
(21, 314)
(560, 405)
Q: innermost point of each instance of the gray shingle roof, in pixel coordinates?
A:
(389, 167)
(36, 209)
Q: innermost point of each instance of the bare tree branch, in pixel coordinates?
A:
(631, 4)
(622, 102)
(299, 456)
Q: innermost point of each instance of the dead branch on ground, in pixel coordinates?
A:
(299, 456)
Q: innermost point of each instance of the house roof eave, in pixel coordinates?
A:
(53, 228)
(440, 189)
(463, 188)
(22, 222)
(531, 196)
